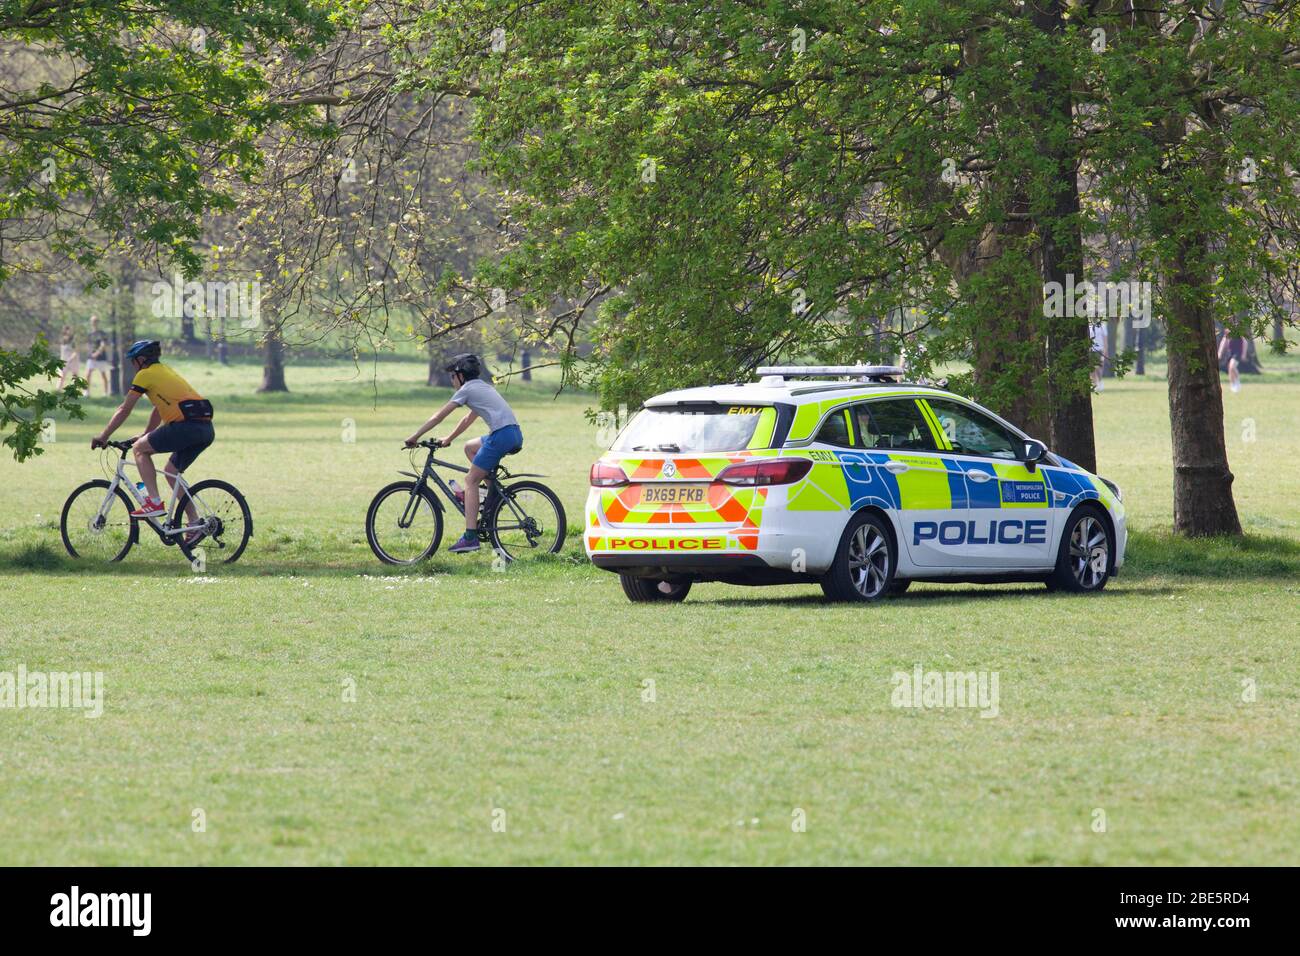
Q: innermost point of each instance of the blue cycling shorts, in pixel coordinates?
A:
(496, 445)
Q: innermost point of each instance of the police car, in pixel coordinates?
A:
(845, 476)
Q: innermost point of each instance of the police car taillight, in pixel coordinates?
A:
(605, 475)
(778, 471)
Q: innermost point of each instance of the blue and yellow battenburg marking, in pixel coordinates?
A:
(841, 480)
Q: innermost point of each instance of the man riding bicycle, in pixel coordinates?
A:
(181, 423)
(503, 438)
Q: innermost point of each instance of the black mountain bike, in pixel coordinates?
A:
(520, 520)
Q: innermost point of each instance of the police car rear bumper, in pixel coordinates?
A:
(679, 562)
(729, 568)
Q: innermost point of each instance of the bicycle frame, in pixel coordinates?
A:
(493, 478)
(160, 522)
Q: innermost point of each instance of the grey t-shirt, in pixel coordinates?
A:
(486, 402)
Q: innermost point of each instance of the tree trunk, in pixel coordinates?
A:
(1112, 344)
(1203, 503)
(438, 356)
(273, 362)
(1007, 355)
(123, 321)
(1069, 344)
(223, 348)
(45, 320)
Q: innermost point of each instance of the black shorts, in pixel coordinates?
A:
(185, 440)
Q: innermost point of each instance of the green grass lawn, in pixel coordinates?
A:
(522, 696)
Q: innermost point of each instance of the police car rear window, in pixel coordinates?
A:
(690, 428)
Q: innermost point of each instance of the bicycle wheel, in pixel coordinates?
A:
(227, 522)
(402, 528)
(525, 521)
(95, 527)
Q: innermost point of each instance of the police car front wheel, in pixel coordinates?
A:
(864, 564)
(1083, 561)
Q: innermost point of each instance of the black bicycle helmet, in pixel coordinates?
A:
(144, 349)
(466, 364)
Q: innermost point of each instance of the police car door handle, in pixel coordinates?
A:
(895, 467)
(979, 477)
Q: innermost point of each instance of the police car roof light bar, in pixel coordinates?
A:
(866, 372)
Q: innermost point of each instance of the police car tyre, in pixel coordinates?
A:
(1083, 561)
(864, 565)
(647, 589)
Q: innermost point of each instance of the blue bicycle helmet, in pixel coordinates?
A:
(144, 349)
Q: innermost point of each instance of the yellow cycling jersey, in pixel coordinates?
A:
(174, 398)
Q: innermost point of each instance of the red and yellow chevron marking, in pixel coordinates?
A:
(724, 504)
(696, 469)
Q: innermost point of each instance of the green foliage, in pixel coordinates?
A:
(753, 182)
(1194, 137)
(703, 168)
(23, 407)
(116, 115)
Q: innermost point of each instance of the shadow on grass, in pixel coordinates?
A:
(52, 560)
(1256, 557)
(1261, 558)
(934, 594)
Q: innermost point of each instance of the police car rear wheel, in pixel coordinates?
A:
(864, 565)
(1083, 562)
(645, 589)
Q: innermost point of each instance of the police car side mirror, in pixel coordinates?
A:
(1032, 452)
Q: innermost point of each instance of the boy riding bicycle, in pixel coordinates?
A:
(503, 437)
(181, 423)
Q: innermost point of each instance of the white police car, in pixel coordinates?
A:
(846, 476)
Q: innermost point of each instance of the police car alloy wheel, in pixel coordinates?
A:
(1084, 560)
(864, 566)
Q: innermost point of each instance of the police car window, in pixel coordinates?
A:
(835, 430)
(973, 433)
(896, 423)
(690, 428)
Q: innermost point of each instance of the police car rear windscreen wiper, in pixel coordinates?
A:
(670, 447)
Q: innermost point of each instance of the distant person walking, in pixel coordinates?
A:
(1232, 349)
(68, 353)
(97, 360)
(1098, 346)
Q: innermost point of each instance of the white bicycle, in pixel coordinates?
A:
(96, 523)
